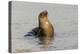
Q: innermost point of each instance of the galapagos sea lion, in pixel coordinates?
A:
(46, 29)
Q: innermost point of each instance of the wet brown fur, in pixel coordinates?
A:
(46, 28)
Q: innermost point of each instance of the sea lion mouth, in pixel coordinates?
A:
(43, 13)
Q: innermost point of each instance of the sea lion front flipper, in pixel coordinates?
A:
(34, 32)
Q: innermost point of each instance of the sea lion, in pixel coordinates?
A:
(46, 29)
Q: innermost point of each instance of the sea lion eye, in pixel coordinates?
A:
(41, 14)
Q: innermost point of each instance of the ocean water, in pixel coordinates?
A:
(64, 18)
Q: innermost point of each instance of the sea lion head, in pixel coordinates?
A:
(43, 14)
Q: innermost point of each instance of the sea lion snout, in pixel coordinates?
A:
(43, 14)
